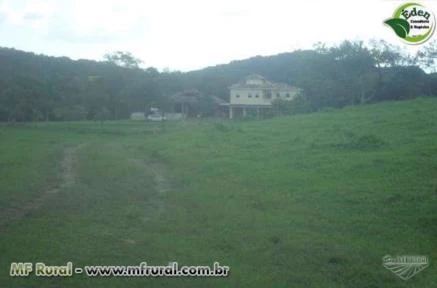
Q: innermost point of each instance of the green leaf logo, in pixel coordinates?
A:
(400, 26)
(403, 23)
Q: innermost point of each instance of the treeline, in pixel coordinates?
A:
(36, 87)
(350, 73)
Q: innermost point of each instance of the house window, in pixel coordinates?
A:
(238, 95)
(250, 95)
(256, 96)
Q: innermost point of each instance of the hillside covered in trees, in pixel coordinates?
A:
(37, 87)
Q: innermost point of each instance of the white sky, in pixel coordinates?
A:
(190, 34)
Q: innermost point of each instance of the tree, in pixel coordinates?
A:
(385, 55)
(426, 57)
(359, 65)
(123, 59)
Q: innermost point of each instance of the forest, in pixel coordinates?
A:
(42, 88)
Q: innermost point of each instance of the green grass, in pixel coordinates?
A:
(305, 201)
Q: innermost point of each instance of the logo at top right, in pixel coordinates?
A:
(413, 23)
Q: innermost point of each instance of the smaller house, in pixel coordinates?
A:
(185, 103)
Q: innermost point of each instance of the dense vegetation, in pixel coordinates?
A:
(36, 87)
(312, 200)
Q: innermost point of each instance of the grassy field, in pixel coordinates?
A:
(305, 201)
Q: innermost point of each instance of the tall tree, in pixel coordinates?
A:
(123, 59)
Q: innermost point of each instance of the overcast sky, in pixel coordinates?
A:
(189, 34)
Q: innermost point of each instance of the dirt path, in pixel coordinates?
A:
(161, 184)
(67, 179)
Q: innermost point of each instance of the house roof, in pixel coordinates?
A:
(262, 84)
(255, 77)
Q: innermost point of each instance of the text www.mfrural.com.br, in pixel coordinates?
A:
(22, 269)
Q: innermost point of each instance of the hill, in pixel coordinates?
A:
(37, 87)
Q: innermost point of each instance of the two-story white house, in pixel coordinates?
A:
(255, 95)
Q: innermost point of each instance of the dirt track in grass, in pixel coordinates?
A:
(67, 178)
